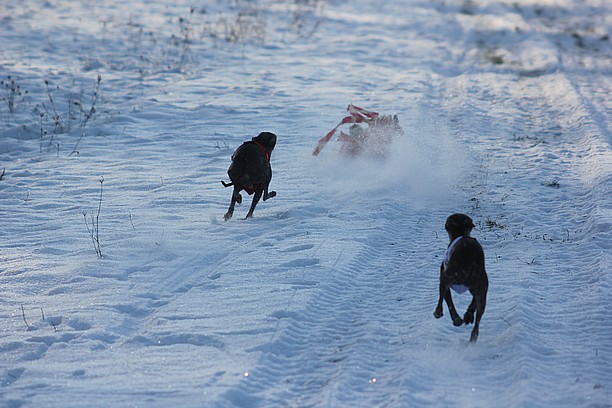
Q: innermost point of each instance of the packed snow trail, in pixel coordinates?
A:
(347, 342)
(326, 297)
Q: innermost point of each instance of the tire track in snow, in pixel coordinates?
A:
(349, 335)
(547, 191)
(531, 335)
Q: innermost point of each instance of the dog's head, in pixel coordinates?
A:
(458, 225)
(267, 140)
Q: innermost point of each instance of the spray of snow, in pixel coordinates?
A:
(423, 165)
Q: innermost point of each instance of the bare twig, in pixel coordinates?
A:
(51, 321)
(43, 132)
(24, 317)
(132, 221)
(75, 151)
(225, 145)
(532, 262)
(57, 119)
(94, 99)
(89, 230)
(94, 231)
(162, 238)
(13, 93)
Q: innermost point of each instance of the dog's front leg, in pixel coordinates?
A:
(256, 198)
(445, 294)
(267, 195)
(457, 321)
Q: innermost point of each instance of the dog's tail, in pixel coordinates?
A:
(226, 184)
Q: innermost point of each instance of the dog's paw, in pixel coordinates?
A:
(468, 317)
(227, 216)
(474, 335)
(239, 198)
(271, 194)
(438, 313)
(457, 321)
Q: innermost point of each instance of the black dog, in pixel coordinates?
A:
(463, 269)
(251, 171)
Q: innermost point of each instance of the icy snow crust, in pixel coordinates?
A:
(325, 298)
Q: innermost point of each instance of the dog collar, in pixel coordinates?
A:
(263, 149)
(450, 249)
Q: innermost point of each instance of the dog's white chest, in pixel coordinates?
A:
(457, 288)
(449, 250)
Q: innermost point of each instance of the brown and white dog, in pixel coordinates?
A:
(463, 268)
(251, 171)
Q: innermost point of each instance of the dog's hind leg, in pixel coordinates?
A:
(481, 302)
(236, 198)
(256, 199)
(468, 317)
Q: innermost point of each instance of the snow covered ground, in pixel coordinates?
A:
(326, 297)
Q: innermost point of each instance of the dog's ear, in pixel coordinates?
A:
(267, 139)
(469, 224)
(452, 223)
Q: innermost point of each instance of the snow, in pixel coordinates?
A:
(325, 297)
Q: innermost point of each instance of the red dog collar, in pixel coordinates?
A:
(263, 149)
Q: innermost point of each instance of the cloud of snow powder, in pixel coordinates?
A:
(423, 165)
